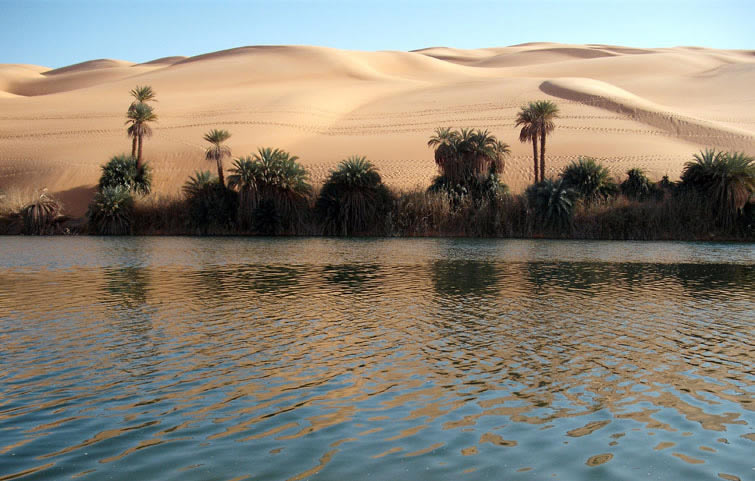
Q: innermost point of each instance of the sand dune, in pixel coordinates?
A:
(649, 108)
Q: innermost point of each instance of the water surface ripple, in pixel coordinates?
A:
(292, 359)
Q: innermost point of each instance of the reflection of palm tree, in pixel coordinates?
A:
(128, 286)
(464, 277)
(353, 276)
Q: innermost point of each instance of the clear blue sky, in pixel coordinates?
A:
(61, 32)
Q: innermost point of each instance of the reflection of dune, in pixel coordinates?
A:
(649, 108)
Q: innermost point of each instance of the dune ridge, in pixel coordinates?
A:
(630, 107)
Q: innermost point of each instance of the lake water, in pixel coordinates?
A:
(388, 359)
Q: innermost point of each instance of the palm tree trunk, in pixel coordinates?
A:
(139, 154)
(542, 154)
(220, 172)
(534, 156)
(133, 147)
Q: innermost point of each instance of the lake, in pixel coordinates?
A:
(387, 359)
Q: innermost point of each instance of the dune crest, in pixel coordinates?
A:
(631, 107)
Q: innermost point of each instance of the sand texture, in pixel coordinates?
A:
(648, 108)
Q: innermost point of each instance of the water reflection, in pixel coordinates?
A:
(240, 362)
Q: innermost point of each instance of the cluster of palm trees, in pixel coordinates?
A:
(470, 161)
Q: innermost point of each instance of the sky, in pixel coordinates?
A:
(55, 33)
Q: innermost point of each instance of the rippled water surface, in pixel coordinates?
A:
(259, 359)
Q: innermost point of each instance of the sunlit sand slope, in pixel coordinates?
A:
(649, 108)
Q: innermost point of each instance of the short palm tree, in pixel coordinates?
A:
(40, 215)
(727, 179)
(354, 198)
(444, 142)
(217, 151)
(111, 211)
(139, 116)
(544, 113)
(210, 205)
(122, 170)
(637, 185)
(589, 179)
(530, 132)
(553, 202)
(273, 176)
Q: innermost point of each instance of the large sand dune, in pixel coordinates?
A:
(649, 108)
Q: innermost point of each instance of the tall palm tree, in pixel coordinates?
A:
(143, 94)
(529, 133)
(138, 117)
(545, 112)
(217, 151)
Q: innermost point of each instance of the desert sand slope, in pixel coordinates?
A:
(648, 108)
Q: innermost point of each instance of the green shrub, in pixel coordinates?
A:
(276, 176)
(211, 207)
(111, 211)
(121, 170)
(41, 215)
(725, 179)
(590, 180)
(553, 204)
(637, 186)
(354, 199)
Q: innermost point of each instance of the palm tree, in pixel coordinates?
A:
(122, 170)
(544, 112)
(354, 198)
(273, 177)
(142, 94)
(138, 117)
(726, 178)
(637, 185)
(529, 133)
(217, 151)
(444, 142)
(590, 180)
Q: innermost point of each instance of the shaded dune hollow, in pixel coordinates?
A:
(628, 107)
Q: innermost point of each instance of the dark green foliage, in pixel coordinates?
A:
(211, 206)
(277, 176)
(553, 204)
(637, 186)
(265, 218)
(726, 179)
(40, 216)
(354, 199)
(590, 180)
(121, 170)
(111, 211)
